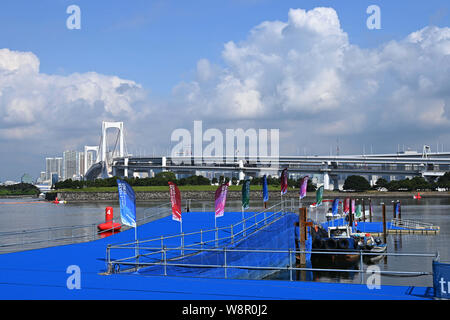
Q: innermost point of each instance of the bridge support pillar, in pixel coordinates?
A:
(241, 172)
(125, 169)
(335, 181)
(164, 163)
(326, 181)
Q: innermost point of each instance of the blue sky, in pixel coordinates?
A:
(157, 43)
(160, 65)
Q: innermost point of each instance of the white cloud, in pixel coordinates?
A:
(306, 71)
(33, 103)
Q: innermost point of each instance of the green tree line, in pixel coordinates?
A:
(162, 179)
(19, 189)
(359, 183)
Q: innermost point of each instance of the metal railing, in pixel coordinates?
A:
(163, 259)
(47, 237)
(211, 237)
(413, 224)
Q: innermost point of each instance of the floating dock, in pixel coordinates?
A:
(45, 274)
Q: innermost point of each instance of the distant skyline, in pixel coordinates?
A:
(312, 69)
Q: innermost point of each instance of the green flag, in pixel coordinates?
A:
(358, 211)
(319, 196)
(246, 194)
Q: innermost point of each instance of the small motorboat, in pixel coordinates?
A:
(56, 201)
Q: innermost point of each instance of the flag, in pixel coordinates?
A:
(319, 196)
(335, 207)
(303, 187)
(175, 199)
(397, 209)
(246, 194)
(284, 181)
(347, 205)
(220, 199)
(358, 211)
(353, 205)
(265, 190)
(127, 201)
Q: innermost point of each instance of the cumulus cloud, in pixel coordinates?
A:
(34, 103)
(305, 72)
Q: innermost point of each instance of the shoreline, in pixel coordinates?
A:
(145, 196)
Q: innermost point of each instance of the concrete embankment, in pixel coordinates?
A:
(235, 195)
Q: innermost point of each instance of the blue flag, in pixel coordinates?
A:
(265, 190)
(335, 207)
(127, 201)
(397, 209)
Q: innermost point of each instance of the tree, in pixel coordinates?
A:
(356, 183)
(381, 183)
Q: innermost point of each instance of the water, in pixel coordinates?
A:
(28, 214)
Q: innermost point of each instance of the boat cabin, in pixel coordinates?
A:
(339, 232)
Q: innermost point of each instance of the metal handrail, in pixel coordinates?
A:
(413, 224)
(50, 237)
(135, 264)
(233, 235)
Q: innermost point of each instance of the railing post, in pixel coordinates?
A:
(182, 243)
(290, 265)
(361, 266)
(201, 238)
(216, 236)
(162, 246)
(383, 211)
(232, 235)
(165, 261)
(225, 260)
(109, 268)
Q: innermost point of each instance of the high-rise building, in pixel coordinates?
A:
(53, 166)
(70, 164)
(73, 164)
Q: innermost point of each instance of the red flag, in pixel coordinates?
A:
(347, 205)
(175, 199)
(284, 182)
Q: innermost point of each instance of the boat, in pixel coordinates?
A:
(418, 196)
(337, 239)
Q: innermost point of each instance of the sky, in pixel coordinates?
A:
(312, 69)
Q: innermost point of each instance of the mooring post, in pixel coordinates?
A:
(302, 235)
(370, 210)
(383, 206)
(393, 210)
(399, 210)
(350, 214)
(364, 210)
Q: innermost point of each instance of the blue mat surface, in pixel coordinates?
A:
(41, 274)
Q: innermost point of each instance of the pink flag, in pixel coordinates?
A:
(303, 187)
(284, 181)
(175, 199)
(220, 199)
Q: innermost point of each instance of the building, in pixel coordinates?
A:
(26, 178)
(53, 166)
(73, 164)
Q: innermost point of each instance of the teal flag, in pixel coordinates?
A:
(319, 196)
(246, 194)
(358, 211)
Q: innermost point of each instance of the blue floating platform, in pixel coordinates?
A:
(41, 274)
